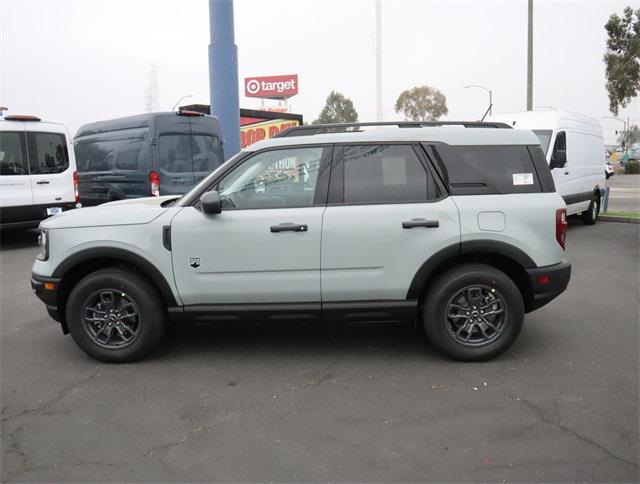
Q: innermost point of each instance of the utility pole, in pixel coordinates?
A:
(378, 60)
(530, 56)
(223, 74)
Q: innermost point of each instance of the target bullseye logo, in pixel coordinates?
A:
(253, 86)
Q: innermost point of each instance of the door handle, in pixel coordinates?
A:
(420, 222)
(566, 172)
(289, 227)
(43, 182)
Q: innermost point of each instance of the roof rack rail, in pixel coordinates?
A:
(313, 129)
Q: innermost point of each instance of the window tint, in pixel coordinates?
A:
(13, 159)
(207, 155)
(47, 153)
(113, 151)
(273, 179)
(487, 169)
(383, 174)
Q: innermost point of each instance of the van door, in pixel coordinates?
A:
(173, 154)
(206, 149)
(114, 165)
(51, 171)
(567, 177)
(15, 183)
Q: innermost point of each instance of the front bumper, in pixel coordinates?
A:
(557, 280)
(48, 294)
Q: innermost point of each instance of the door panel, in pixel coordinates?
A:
(51, 171)
(368, 255)
(242, 261)
(15, 182)
(264, 247)
(383, 225)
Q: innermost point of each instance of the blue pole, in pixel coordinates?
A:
(223, 74)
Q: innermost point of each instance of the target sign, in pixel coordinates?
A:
(271, 87)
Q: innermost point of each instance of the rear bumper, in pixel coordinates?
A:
(27, 216)
(558, 276)
(47, 295)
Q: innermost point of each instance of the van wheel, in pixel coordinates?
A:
(590, 215)
(473, 312)
(114, 315)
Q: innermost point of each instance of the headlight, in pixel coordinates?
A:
(43, 242)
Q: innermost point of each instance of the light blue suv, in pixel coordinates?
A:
(455, 225)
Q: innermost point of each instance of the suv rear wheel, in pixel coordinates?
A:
(473, 312)
(114, 315)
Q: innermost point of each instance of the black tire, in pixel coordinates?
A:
(142, 309)
(488, 282)
(590, 216)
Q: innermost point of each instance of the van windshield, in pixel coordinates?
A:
(544, 135)
(112, 152)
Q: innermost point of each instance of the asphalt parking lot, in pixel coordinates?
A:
(332, 403)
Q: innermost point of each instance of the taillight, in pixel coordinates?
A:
(561, 226)
(75, 186)
(154, 181)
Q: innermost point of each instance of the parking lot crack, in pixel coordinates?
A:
(45, 405)
(564, 428)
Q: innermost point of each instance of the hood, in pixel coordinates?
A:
(121, 212)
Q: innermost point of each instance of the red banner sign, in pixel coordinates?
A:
(271, 87)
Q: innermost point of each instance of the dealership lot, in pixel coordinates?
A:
(333, 403)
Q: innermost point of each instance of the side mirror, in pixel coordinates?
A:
(210, 203)
(558, 159)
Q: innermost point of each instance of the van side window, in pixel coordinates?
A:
(47, 153)
(13, 158)
(560, 143)
(383, 174)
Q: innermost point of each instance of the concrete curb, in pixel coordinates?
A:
(612, 218)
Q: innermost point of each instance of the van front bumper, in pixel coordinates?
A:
(547, 282)
(46, 288)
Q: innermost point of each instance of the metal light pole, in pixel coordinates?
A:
(624, 124)
(490, 95)
(530, 56)
(223, 74)
(378, 60)
(180, 100)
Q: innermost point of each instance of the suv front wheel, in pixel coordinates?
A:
(115, 315)
(473, 312)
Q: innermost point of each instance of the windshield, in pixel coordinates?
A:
(192, 194)
(544, 135)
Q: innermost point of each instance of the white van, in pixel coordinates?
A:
(38, 175)
(574, 148)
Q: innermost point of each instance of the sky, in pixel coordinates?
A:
(78, 61)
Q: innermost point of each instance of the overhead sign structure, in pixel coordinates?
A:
(271, 87)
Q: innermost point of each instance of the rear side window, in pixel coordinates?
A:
(47, 153)
(470, 170)
(13, 157)
(383, 174)
(118, 151)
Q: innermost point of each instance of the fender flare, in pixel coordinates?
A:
(148, 269)
(467, 248)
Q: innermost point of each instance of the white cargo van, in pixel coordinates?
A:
(574, 148)
(38, 175)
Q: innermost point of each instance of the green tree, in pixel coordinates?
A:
(422, 103)
(337, 109)
(622, 59)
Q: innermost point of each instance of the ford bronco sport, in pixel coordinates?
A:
(455, 225)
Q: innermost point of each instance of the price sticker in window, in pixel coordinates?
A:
(523, 178)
